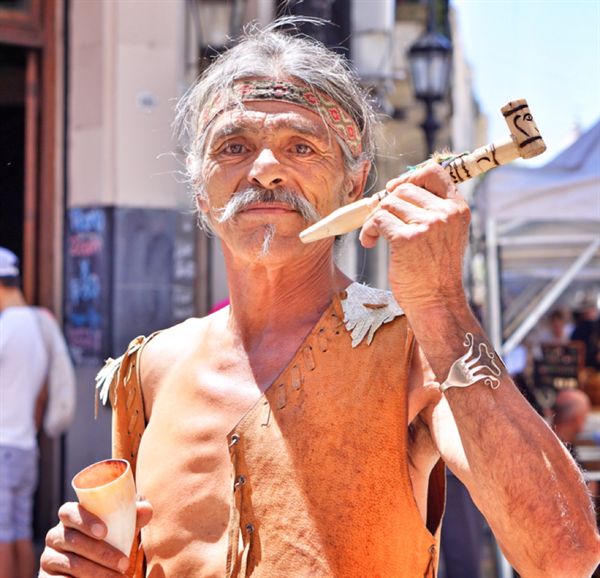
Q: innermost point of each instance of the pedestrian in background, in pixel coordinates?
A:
(587, 330)
(571, 411)
(28, 357)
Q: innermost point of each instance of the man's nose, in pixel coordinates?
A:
(266, 170)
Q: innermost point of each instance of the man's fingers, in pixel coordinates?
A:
(391, 218)
(144, 513)
(405, 210)
(368, 237)
(68, 545)
(432, 177)
(72, 515)
(76, 546)
(418, 197)
(380, 223)
(70, 564)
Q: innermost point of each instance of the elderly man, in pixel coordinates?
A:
(298, 432)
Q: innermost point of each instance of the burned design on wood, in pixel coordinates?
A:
(455, 165)
(522, 119)
(489, 156)
(524, 141)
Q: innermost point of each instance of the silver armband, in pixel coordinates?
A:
(478, 364)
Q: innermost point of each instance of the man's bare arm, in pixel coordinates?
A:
(516, 470)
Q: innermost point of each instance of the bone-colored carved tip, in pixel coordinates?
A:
(342, 220)
(312, 234)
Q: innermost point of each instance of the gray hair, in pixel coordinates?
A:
(271, 53)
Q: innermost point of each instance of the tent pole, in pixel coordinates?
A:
(549, 299)
(493, 277)
(509, 226)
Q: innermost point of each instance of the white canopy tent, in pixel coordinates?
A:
(541, 224)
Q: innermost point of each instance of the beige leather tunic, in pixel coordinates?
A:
(320, 481)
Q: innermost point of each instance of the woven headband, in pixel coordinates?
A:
(334, 115)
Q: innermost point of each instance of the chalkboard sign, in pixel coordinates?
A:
(87, 284)
(559, 366)
(129, 271)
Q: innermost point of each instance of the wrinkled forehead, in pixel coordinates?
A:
(266, 117)
(244, 94)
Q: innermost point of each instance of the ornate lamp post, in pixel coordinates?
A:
(429, 59)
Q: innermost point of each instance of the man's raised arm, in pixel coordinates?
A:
(516, 469)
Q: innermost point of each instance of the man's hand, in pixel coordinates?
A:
(426, 223)
(488, 437)
(75, 546)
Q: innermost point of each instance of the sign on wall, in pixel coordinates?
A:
(87, 284)
(129, 272)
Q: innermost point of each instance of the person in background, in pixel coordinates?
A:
(558, 329)
(23, 366)
(555, 331)
(587, 330)
(571, 410)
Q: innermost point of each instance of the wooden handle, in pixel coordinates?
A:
(524, 142)
(342, 220)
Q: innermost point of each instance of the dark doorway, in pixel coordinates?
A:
(12, 147)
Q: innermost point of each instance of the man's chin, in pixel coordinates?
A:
(277, 243)
(285, 226)
(272, 240)
(268, 237)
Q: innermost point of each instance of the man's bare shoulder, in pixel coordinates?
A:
(170, 346)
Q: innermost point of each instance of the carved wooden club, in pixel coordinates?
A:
(524, 142)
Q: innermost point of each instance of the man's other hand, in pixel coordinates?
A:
(76, 547)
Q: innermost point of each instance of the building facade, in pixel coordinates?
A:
(97, 204)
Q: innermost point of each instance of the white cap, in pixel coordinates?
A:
(9, 263)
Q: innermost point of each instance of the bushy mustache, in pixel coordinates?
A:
(253, 195)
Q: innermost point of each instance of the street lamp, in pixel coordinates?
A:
(211, 24)
(429, 59)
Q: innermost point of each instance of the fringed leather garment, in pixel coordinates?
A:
(320, 484)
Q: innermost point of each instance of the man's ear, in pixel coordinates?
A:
(201, 204)
(359, 182)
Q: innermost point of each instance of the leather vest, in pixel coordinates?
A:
(320, 482)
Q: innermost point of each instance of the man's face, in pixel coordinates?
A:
(271, 146)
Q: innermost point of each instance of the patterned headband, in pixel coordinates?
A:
(334, 115)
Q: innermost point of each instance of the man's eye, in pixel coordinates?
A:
(234, 148)
(302, 149)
